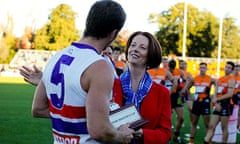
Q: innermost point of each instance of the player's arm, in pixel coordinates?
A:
(169, 75)
(188, 82)
(230, 90)
(40, 102)
(171, 78)
(98, 82)
(214, 84)
(182, 74)
(214, 97)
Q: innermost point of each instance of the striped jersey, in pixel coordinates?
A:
(202, 87)
(67, 99)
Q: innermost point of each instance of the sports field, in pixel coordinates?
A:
(16, 123)
(18, 127)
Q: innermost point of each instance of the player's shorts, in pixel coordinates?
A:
(187, 97)
(236, 98)
(227, 108)
(176, 100)
(203, 107)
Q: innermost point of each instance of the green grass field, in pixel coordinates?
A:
(17, 126)
(16, 123)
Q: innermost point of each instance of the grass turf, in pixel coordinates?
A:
(17, 126)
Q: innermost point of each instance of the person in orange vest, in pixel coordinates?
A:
(187, 95)
(107, 54)
(119, 63)
(162, 75)
(202, 99)
(223, 106)
(236, 95)
(177, 99)
(165, 62)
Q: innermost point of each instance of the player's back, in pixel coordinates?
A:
(66, 96)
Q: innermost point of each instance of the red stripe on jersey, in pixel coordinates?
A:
(68, 111)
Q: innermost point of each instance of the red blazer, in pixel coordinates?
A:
(156, 108)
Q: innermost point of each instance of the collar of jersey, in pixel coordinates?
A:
(84, 46)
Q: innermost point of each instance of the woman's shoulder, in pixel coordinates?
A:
(160, 92)
(159, 88)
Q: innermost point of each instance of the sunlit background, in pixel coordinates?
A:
(35, 12)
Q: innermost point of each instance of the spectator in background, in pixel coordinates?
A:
(107, 54)
(165, 62)
(108, 51)
(116, 58)
(79, 108)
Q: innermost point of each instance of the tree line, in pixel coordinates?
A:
(201, 36)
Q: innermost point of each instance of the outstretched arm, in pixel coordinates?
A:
(32, 76)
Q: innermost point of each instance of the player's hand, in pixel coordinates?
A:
(218, 107)
(126, 132)
(32, 76)
(138, 134)
(214, 99)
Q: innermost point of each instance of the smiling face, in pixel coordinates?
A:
(138, 50)
(144, 50)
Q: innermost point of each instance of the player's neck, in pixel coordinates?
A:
(98, 44)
